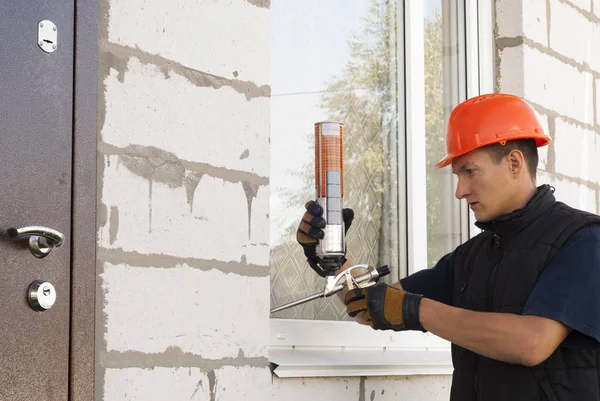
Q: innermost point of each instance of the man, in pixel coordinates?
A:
(519, 301)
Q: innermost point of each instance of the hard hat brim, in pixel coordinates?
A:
(540, 140)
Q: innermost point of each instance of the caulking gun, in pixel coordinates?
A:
(341, 281)
(329, 185)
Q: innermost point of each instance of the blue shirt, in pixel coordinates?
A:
(567, 291)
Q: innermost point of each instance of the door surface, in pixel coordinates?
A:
(36, 101)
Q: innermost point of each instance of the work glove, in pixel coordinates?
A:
(310, 231)
(385, 307)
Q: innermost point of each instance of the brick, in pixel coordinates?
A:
(259, 223)
(527, 72)
(156, 384)
(597, 101)
(581, 4)
(257, 254)
(593, 47)
(535, 21)
(577, 152)
(571, 193)
(302, 389)
(242, 383)
(219, 127)
(571, 32)
(571, 95)
(206, 313)
(221, 205)
(430, 388)
(223, 38)
(209, 222)
(511, 70)
(543, 151)
(522, 18)
(509, 18)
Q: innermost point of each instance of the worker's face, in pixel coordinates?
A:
(486, 186)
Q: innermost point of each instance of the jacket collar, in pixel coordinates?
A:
(511, 223)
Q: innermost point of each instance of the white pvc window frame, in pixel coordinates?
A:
(414, 106)
(313, 348)
(480, 59)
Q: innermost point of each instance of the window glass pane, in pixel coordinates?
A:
(332, 60)
(336, 60)
(442, 93)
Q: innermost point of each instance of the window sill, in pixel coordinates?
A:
(316, 348)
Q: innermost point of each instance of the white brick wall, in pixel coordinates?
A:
(577, 152)
(511, 71)
(406, 388)
(571, 32)
(346, 388)
(582, 4)
(543, 151)
(217, 37)
(243, 383)
(536, 76)
(597, 83)
(156, 384)
(150, 310)
(184, 147)
(556, 77)
(432, 388)
(164, 222)
(544, 77)
(522, 18)
(571, 193)
(238, 383)
(197, 124)
(593, 47)
(229, 383)
(535, 24)
(260, 217)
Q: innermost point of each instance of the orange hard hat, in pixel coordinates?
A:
(488, 119)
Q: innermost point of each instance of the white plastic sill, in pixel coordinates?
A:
(317, 348)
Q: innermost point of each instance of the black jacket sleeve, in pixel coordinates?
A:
(434, 283)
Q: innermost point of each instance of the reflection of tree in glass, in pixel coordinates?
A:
(363, 97)
(434, 131)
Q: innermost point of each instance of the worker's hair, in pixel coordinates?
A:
(527, 146)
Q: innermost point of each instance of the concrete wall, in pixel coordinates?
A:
(549, 53)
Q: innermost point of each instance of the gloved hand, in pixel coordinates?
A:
(310, 231)
(385, 307)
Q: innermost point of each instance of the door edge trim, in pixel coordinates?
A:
(84, 201)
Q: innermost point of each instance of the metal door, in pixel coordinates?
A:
(36, 101)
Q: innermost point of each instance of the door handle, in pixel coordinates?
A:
(41, 239)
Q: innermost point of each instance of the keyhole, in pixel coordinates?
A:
(48, 41)
(46, 291)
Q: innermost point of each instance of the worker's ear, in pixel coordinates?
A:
(516, 162)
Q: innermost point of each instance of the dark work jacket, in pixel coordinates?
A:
(496, 271)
